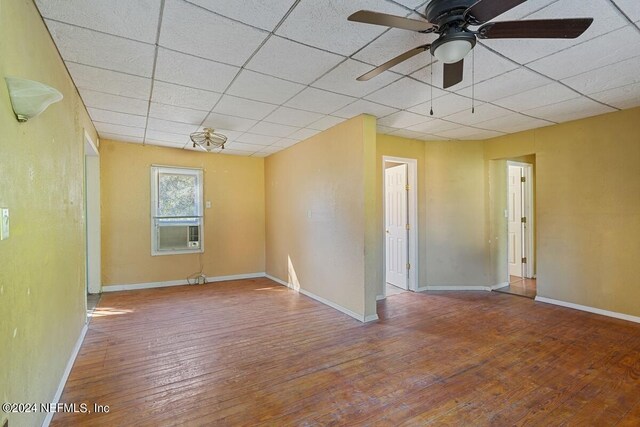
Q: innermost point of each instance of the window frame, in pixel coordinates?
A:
(155, 172)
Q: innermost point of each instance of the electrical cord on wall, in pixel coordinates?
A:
(199, 274)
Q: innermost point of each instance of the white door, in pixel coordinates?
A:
(396, 221)
(515, 221)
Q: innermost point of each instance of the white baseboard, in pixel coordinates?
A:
(149, 285)
(499, 286)
(331, 304)
(65, 374)
(380, 297)
(600, 311)
(454, 288)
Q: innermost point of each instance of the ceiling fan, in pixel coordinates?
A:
(451, 19)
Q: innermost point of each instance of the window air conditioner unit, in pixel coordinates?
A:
(176, 237)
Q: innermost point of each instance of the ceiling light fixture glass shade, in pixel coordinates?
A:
(208, 140)
(452, 51)
(30, 98)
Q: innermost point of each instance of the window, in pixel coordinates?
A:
(176, 210)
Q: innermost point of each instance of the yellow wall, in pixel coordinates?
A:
(588, 208)
(234, 228)
(451, 227)
(42, 264)
(316, 193)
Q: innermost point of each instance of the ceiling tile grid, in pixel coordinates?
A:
(270, 74)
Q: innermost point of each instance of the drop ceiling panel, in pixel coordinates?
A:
(169, 126)
(290, 117)
(324, 24)
(300, 80)
(102, 50)
(506, 84)
(238, 124)
(119, 129)
(261, 87)
(182, 96)
(363, 106)
(524, 51)
(572, 109)
(434, 126)
(402, 119)
(177, 114)
(136, 20)
(285, 142)
(605, 78)
(167, 137)
(283, 58)
(188, 70)
(326, 122)
(115, 118)
(342, 79)
(167, 144)
(443, 106)
(621, 97)
(240, 107)
(538, 97)
(241, 146)
(273, 129)
(259, 13)
(404, 93)
(252, 138)
(513, 122)
(395, 42)
(469, 133)
(191, 29)
(122, 138)
(631, 8)
(319, 101)
(302, 134)
(601, 51)
(86, 77)
(106, 101)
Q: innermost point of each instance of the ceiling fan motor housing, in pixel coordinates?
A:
(444, 12)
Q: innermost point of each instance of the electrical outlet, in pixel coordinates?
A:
(202, 279)
(4, 223)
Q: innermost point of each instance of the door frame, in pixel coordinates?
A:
(92, 216)
(528, 201)
(412, 209)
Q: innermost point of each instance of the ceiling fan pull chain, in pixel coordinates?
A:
(473, 81)
(431, 67)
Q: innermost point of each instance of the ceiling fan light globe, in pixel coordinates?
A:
(452, 51)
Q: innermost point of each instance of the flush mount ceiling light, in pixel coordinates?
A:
(208, 140)
(30, 98)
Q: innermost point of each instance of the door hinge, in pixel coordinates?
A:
(408, 266)
(524, 260)
(523, 179)
(523, 220)
(406, 187)
(408, 226)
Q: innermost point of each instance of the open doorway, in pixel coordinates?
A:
(520, 230)
(92, 222)
(400, 206)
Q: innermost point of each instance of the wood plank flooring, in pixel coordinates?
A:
(254, 353)
(520, 286)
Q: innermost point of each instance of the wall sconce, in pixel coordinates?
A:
(29, 98)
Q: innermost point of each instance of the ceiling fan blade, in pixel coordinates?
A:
(535, 29)
(377, 18)
(453, 73)
(485, 10)
(392, 62)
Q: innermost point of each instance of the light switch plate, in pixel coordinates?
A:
(4, 223)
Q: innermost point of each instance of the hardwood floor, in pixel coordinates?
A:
(520, 286)
(252, 352)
